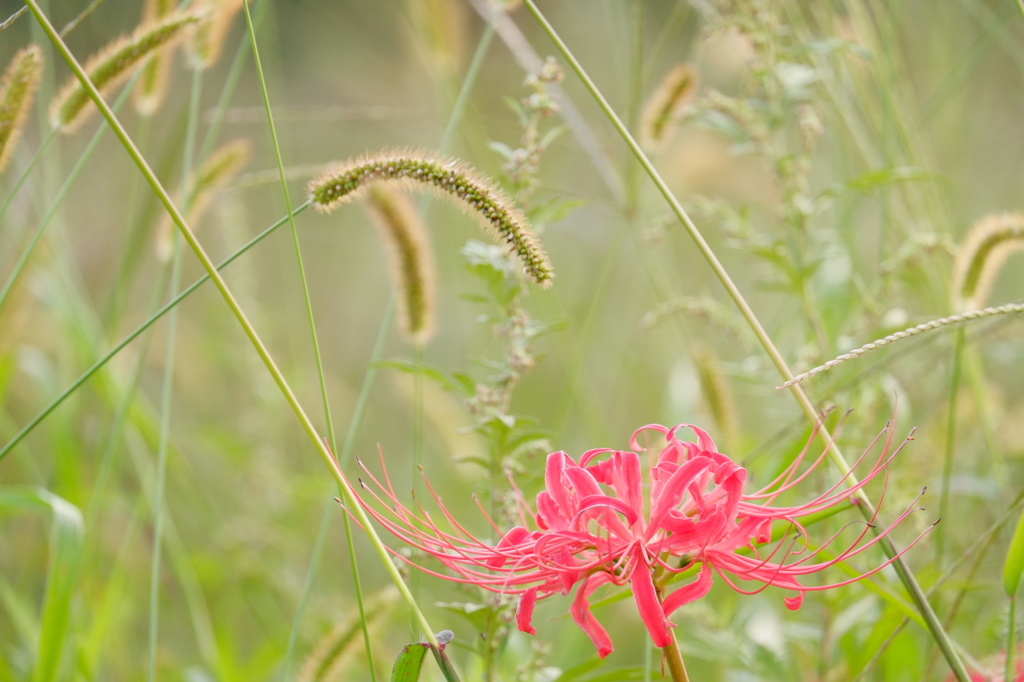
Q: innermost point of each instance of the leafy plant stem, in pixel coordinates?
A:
(348, 495)
(867, 509)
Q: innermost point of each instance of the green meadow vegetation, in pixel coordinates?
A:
(254, 256)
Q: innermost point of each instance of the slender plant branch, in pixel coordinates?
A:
(348, 495)
(867, 509)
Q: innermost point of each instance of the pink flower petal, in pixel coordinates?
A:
(688, 593)
(650, 609)
(580, 611)
(524, 611)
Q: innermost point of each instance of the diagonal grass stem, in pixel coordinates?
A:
(322, 450)
(910, 582)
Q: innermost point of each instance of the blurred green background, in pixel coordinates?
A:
(920, 104)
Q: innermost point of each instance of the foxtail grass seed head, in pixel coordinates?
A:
(442, 25)
(716, 395)
(223, 164)
(155, 78)
(17, 89)
(208, 39)
(980, 258)
(112, 66)
(449, 178)
(411, 260)
(677, 89)
(334, 651)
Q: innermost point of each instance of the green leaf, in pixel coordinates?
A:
(454, 383)
(61, 574)
(1014, 565)
(409, 662)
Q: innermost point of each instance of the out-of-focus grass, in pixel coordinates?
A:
(920, 114)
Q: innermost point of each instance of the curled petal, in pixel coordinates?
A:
(524, 611)
(591, 502)
(650, 609)
(688, 593)
(511, 539)
(580, 611)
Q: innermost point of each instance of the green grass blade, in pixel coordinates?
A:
(62, 572)
(322, 449)
(77, 383)
(1013, 568)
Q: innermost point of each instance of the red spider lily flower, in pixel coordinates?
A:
(598, 522)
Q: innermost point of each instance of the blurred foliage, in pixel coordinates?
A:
(835, 156)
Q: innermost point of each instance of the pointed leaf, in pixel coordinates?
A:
(1014, 566)
(409, 662)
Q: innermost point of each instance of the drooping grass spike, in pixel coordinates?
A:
(17, 90)
(981, 256)
(113, 64)
(449, 178)
(411, 260)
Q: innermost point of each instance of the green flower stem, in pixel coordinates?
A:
(348, 495)
(674, 658)
(867, 509)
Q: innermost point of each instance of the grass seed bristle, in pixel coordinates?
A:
(677, 89)
(113, 64)
(155, 78)
(223, 164)
(333, 652)
(449, 178)
(17, 90)
(411, 260)
(981, 256)
(209, 37)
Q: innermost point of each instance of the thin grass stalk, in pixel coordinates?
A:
(33, 162)
(227, 91)
(6, 23)
(977, 552)
(323, 451)
(636, 89)
(251, 29)
(867, 509)
(82, 16)
(272, 129)
(167, 391)
(947, 456)
(161, 473)
(58, 199)
(307, 589)
(152, 319)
